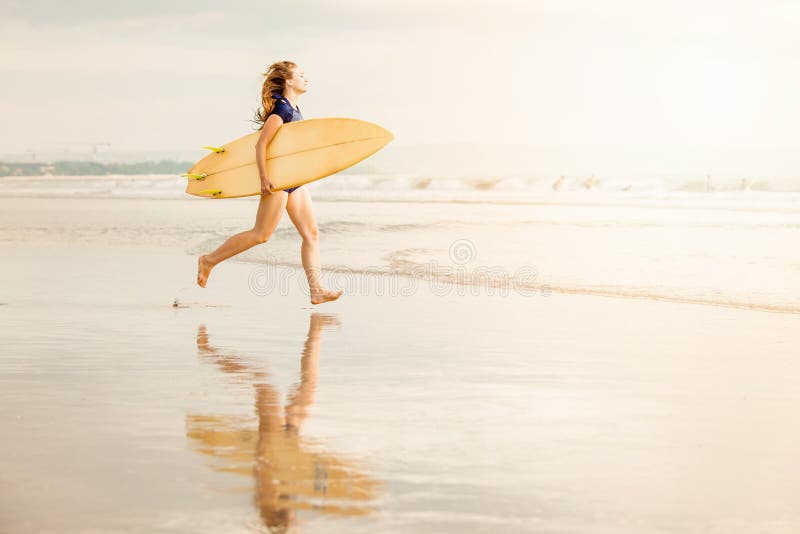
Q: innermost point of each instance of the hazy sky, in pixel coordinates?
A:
(150, 74)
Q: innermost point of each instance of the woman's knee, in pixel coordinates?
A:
(261, 236)
(311, 234)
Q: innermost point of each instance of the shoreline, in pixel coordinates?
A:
(247, 271)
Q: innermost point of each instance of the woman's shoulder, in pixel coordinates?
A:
(282, 108)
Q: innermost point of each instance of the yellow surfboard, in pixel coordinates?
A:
(299, 153)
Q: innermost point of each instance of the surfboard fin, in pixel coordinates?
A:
(211, 192)
(194, 176)
(216, 149)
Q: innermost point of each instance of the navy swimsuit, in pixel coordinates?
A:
(283, 108)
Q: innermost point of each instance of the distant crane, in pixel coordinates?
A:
(93, 144)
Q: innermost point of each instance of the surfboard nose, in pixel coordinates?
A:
(370, 129)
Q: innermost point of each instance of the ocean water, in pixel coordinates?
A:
(509, 187)
(737, 248)
(450, 408)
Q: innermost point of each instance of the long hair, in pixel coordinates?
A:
(274, 82)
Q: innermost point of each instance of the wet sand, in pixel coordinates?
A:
(432, 411)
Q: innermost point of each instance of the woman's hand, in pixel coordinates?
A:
(267, 187)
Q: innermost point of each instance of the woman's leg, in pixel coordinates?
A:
(302, 215)
(270, 209)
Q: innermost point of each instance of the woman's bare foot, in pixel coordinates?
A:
(203, 270)
(324, 295)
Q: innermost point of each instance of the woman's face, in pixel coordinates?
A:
(298, 81)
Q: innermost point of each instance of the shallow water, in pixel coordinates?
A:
(472, 379)
(736, 254)
(416, 413)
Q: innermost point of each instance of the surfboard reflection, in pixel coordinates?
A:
(291, 472)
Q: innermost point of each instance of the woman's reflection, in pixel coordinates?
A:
(291, 473)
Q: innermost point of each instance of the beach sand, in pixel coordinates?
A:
(435, 409)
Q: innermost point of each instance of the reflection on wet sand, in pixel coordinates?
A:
(291, 473)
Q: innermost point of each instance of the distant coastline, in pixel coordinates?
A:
(92, 168)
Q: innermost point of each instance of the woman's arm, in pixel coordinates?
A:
(271, 126)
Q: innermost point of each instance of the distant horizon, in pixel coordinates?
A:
(496, 159)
